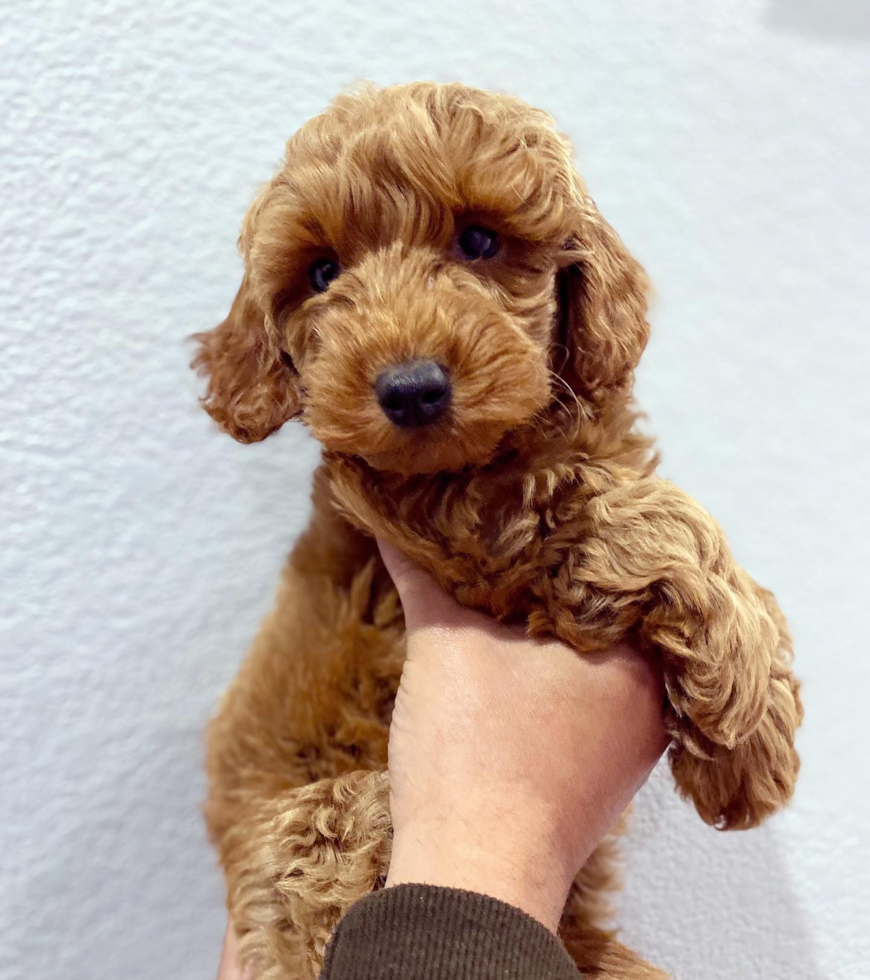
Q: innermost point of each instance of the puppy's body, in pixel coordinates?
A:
(530, 495)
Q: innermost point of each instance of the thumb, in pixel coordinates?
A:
(423, 600)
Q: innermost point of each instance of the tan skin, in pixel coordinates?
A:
(484, 721)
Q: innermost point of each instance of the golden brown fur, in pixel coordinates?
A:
(533, 499)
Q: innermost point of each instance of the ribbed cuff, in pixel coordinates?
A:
(424, 932)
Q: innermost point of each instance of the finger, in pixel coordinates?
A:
(410, 580)
(423, 600)
(402, 570)
(230, 967)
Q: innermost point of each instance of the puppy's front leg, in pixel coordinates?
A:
(651, 559)
(301, 832)
(314, 694)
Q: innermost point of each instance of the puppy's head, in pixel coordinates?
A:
(425, 273)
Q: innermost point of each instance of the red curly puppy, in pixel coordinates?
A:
(429, 286)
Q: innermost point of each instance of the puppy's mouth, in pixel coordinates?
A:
(431, 436)
(433, 455)
(431, 426)
(424, 414)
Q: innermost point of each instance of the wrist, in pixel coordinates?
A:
(519, 871)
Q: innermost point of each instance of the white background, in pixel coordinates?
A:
(728, 143)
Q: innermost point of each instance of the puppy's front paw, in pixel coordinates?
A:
(735, 789)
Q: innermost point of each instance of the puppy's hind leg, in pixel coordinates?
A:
(583, 928)
(297, 866)
(598, 954)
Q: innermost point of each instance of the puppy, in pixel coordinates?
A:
(429, 286)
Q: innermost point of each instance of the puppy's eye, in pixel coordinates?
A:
(321, 274)
(476, 242)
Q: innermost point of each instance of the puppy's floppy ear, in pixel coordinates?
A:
(253, 388)
(602, 309)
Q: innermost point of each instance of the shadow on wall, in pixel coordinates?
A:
(720, 907)
(840, 19)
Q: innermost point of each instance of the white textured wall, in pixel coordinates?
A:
(727, 142)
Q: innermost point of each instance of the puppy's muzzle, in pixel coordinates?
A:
(415, 394)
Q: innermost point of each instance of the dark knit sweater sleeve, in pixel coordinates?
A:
(421, 932)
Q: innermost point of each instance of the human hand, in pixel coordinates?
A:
(509, 758)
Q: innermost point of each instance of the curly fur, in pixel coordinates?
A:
(534, 499)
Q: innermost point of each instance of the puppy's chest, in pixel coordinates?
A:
(488, 542)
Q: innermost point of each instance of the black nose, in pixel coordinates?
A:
(413, 394)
